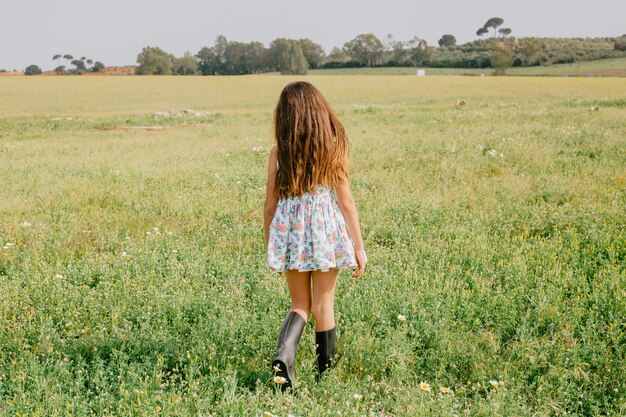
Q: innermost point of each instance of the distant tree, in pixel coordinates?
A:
(529, 49)
(208, 62)
(399, 55)
(185, 65)
(67, 58)
(287, 57)
(32, 70)
(97, 67)
(57, 57)
(257, 57)
(229, 57)
(89, 62)
(298, 64)
(313, 52)
(154, 61)
(418, 51)
(60, 69)
(494, 23)
(504, 32)
(366, 49)
(79, 66)
(502, 59)
(235, 59)
(482, 31)
(337, 55)
(447, 40)
(619, 44)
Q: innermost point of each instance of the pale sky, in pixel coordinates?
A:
(115, 31)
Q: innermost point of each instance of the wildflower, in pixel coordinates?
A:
(26, 224)
(494, 383)
(401, 317)
(124, 253)
(445, 390)
(492, 152)
(268, 414)
(276, 368)
(425, 386)
(358, 397)
(280, 380)
(58, 276)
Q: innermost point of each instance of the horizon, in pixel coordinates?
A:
(116, 39)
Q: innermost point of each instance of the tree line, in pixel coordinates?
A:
(495, 48)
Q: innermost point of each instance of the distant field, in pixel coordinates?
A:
(601, 68)
(132, 269)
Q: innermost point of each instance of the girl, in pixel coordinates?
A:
(310, 220)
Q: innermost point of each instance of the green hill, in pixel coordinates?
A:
(615, 67)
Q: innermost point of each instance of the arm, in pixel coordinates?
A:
(348, 209)
(271, 201)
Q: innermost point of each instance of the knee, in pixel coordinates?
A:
(322, 309)
(302, 308)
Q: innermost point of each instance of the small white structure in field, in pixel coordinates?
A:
(421, 73)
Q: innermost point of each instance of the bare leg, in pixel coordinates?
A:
(299, 284)
(323, 302)
(284, 363)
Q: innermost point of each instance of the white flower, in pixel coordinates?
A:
(494, 383)
(26, 224)
(425, 386)
(401, 317)
(276, 368)
(358, 397)
(124, 253)
(58, 276)
(280, 380)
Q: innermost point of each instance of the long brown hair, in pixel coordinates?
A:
(311, 141)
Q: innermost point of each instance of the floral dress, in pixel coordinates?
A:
(309, 233)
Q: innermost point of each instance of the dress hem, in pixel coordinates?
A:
(350, 266)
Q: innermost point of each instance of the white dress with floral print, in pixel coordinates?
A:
(309, 233)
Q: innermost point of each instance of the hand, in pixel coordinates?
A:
(361, 260)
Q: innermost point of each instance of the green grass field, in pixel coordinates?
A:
(601, 68)
(132, 271)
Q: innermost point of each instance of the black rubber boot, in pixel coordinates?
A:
(325, 349)
(285, 359)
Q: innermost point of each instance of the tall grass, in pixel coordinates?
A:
(132, 274)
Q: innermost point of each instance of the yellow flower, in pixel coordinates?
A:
(276, 368)
(280, 380)
(494, 383)
(425, 386)
(445, 390)
(401, 317)
(268, 414)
